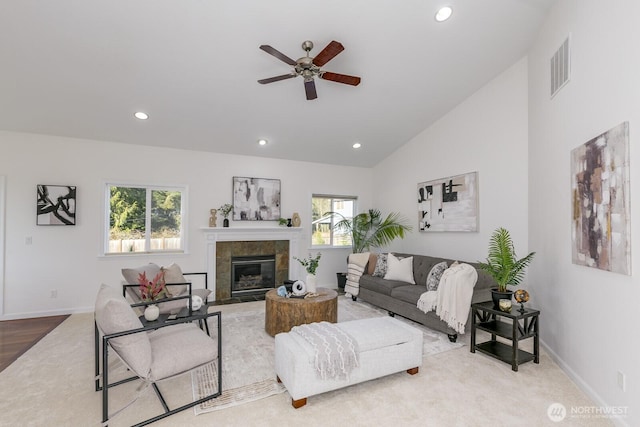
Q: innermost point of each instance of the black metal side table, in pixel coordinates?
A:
(523, 324)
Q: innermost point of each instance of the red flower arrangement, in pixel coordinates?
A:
(151, 290)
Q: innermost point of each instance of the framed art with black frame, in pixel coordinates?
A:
(56, 205)
(256, 199)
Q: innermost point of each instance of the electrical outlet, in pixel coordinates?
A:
(28, 240)
(622, 381)
(54, 293)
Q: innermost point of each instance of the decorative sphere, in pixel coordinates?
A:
(196, 302)
(521, 295)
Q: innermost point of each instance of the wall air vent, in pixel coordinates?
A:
(561, 67)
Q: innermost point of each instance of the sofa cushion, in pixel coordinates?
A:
(113, 314)
(379, 285)
(433, 279)
(407, 293)
(381, 266)
(400, 269)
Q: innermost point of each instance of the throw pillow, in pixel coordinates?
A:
(433, 279)
(371, 265)
(381, 266)
(400, 269)
(131, 277)
(173, 274)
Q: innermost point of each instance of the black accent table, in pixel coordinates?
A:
(522, 325)
(199, 316)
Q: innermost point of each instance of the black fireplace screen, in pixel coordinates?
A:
(252, 273)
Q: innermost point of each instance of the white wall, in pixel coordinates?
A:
(589, 318)
(486, 133)
(67, 258)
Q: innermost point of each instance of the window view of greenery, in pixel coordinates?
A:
(322, 230)
(144, 220)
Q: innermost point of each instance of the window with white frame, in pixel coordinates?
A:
(326, 210)
(144, 219)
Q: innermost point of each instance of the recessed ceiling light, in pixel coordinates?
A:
(262, 141)
(443, 13)
(357, 145)
(141, 116)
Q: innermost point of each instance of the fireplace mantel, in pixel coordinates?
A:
(213, 235)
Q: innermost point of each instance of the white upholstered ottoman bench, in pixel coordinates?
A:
(386, 346)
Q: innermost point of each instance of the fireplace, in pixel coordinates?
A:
(252, 274)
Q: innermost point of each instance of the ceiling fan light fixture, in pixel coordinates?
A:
(443, 13)
(262, 142)
(141, 115)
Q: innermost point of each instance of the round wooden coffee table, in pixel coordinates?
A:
(282, 314)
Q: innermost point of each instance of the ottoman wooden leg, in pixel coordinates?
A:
(299, 403)
(413, 371)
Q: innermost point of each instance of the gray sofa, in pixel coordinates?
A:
(401, 297)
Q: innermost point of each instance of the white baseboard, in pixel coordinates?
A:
(582, 385)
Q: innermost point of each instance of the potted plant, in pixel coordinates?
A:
(369, 229)
(150, 291)
(225, 210)
(310, 264)
(503, 265)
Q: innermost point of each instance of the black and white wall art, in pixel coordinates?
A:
(449, 204)
(56, 205)
(256, 199)
(601, 229)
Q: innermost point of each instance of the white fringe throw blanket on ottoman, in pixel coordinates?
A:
(336, 354)
(384, 346)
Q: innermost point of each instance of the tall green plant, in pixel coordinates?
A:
(502, 263)
(369, 229)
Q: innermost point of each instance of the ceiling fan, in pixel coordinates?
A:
(309, 67)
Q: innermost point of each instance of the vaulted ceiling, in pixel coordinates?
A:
(81, 68)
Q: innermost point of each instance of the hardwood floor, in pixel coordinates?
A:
(18, 336)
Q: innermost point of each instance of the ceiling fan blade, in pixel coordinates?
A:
(276, 78)
(310, 89)
(340, 78)
(281, 56)
(328, 53)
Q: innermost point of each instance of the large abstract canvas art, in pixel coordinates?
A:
(601, 216)
(256, 199)
(449, 204)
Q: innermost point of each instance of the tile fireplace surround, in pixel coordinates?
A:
(246, 234)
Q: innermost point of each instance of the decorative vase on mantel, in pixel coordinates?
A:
(225, 222)
(311, 283)
(151, 313)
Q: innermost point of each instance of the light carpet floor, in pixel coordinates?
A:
(52, 385)
(248, 370)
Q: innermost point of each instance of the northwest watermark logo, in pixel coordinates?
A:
(558, 412)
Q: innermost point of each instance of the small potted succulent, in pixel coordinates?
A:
(503, 265)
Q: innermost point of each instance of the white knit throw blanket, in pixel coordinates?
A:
(453, 297)
(336, 352)
(355, 269)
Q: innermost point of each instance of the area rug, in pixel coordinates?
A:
(248, 362)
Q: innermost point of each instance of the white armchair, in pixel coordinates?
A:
(158, 351)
